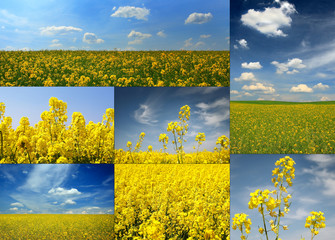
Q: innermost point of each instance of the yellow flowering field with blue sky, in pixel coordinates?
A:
(109, 25)
(150, 110)
(57, 189)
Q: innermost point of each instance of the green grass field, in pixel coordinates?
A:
(282, 127)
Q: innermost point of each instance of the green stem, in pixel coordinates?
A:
(266, 232)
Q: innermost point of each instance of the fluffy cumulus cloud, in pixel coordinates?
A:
(14, 209)
(198, 18)
(161, 34)
(132, 12)
(259, 87)
(251, 65)
(138, 37)
(290, 67)
(321, 86)
(324, 99)
(62, 30)
(246, 76)
(233, 92)
(242, 43)
(63, 192)
(271, 19)
(303, 88)
(91, 38)
(69, 202)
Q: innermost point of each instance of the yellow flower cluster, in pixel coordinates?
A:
(57, 226)
(292, 128)
(51, 141)
(220, 154)
(176, 201)
(315, 222)
(115, 68)
(243, 223)
(277, 204)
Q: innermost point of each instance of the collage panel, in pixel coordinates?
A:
(56, 125)
(172, 201)
(57, 201)
(172, 125)
(282, 77)
(280, 196)
(124, 44)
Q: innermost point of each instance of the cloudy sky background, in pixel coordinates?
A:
(108, 25)
(149, 110)
(57, 188)
(282, 50)
(30, 102)
(313, 190)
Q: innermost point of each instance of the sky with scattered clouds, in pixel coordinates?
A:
(149, 110)
(282, 50)
(108, 25)
(57, 188)
(313, 190)
(30, 102)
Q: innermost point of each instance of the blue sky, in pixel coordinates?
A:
(282, 50)
(313, 190)
(30, 102)
(57, 188)
(106, 24)
(149, 110)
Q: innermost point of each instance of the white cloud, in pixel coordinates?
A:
(69, 212)
(11, 19)
(233, 92)
(56, 43)
(14, 209)
(17, 204)
(248, 94)
(241, 43)
(223, 102)
(138, 37)
(322, 160)
(213, 114)
(246, 76)
(132, 12)
(270, 20)
(298, 215)
(91, 38)
(251, 65)
(293, 64)
(260, 99)
(321, 86)
(62, 30)
(161, 34)
(324, 99)
(198, 44)
(69, 202)
(188, 42)
(205, 36)
(63, 192)
(145, 115)
(198, 18)
(44, 176)
(259, 87)
(321, 75)
(301, 88)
